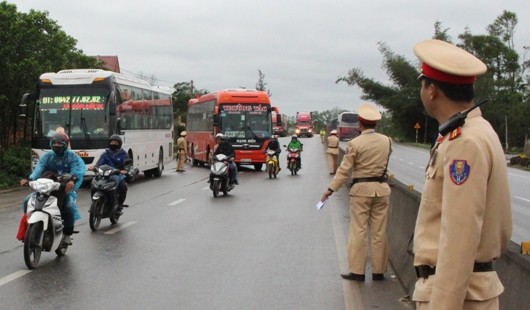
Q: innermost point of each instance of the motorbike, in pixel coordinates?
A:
(292, 160)
(104, 193)
(272, 163)
(44, 230)
(219, 178)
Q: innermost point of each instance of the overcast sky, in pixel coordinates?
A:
(301, 47)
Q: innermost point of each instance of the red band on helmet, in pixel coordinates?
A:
(441, 76)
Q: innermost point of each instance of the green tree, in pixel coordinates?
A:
(184, 91)
(401, 99)
(505, 83)
(30, 44)
(261, 85)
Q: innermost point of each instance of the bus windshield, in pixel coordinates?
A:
(81, 111)
(349, 119)
(249, 121)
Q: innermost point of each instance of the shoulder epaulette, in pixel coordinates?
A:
(454, 134)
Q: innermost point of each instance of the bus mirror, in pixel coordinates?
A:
(119, 124)
(278, 119)
(276, 110)
(112, 104)
(216, 119)
(23, 107)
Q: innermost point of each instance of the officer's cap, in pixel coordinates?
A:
(445, 62)
(368, 114)
(183, 134)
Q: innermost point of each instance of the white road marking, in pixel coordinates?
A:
(524, 199)
(205, 188)
(121, 227)
(176, 202)
(13, 276)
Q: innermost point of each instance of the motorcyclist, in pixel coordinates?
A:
(59, 161)
(224, 147)
(275, 146)
(115, 156)
(295, 144)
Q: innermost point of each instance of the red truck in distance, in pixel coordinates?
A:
(304, 124)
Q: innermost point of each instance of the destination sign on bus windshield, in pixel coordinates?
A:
(72, 102)
(243, 108)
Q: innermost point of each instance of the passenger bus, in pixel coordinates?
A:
(347, 125)
(90, 105)
(242, 115)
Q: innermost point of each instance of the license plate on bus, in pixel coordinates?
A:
(246, 160)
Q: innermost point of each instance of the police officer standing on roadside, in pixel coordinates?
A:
(366, 160)
(182, 151)
(464, 220)
(333, 151)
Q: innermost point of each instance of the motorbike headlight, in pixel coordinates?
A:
(107, 173)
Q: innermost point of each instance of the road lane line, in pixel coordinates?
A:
(352, 293)
(524, 199)
(121, 227)
(176, 202)
(205, 188)
(13, 276)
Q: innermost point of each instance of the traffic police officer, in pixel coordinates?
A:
(366, 160)
(322, 134)
(464, 219)
(333, 151)
(182, 151)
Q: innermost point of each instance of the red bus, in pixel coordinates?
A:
(242, 115)
(347, 125)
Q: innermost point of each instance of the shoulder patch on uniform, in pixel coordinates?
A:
(459, 171)
(454, 134)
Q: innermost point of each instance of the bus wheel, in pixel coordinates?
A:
(157, 172)
(258, 166)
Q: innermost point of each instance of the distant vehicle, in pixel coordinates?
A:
(279, 127)
(90, 105)
(242, 115)
(347, 125)
(304, 124)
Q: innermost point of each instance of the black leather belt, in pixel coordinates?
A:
(370, 179)
(424, 271)
(333, 147)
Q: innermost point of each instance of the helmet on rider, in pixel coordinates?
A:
(274, 137)
(219, 136)
(115, 142)
(294, 137)
(59, 143)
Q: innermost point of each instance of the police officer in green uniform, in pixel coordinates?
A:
(464, 220)
(366, 160)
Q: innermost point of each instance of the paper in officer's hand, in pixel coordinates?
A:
(320, 204)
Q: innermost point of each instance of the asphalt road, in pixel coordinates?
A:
(264, 246)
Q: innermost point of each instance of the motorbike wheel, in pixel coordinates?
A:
(61, 250)
(270, 170)
(215, 188)
(225, 188)
(114, 218)
(292, 167)
(95, 214)
(33, 245)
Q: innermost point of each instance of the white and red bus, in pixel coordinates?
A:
(347, 125)
(242, 115)
(92, 104)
